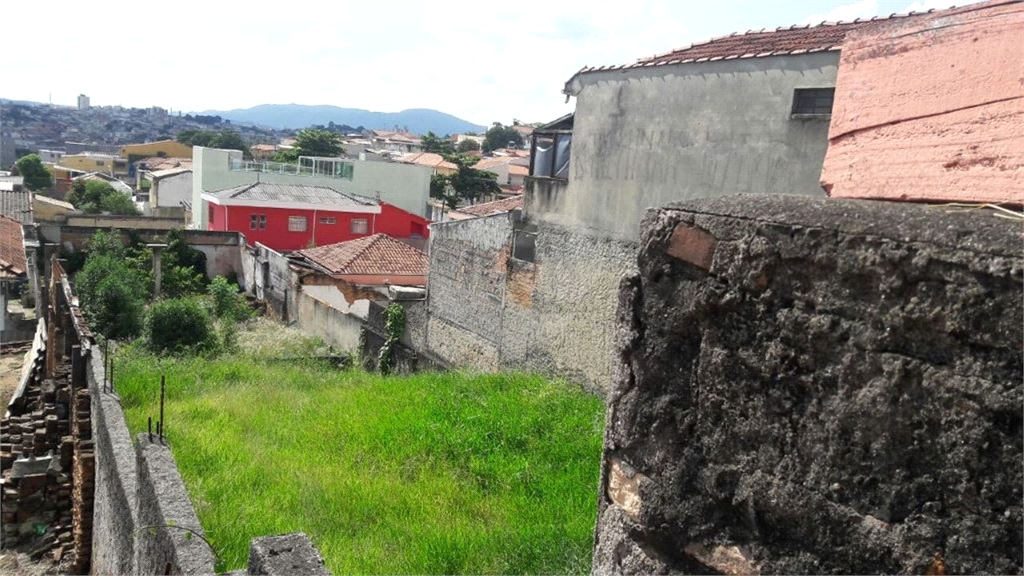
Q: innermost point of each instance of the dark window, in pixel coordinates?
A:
(524, 238)
(263, 221)
(328, 220)
(813, 101)
(253, 221)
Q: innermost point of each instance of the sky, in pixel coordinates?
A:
(481, 61)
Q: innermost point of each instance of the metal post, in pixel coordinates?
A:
(149, 428)
(161, 425)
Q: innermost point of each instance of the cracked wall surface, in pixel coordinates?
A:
(817, 386)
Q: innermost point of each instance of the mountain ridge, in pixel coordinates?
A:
(293, 116)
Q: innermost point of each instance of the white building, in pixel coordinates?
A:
(170, 190)
(83, 102)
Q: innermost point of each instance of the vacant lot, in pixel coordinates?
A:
(433, 473)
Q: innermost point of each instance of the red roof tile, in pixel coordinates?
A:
(379, 254)
(12, 249)
(490, 208)
(823, 37)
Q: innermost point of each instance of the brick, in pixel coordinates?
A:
(693, 245)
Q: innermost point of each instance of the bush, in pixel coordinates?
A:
(179, 324)
(228, 302)
(112, 295)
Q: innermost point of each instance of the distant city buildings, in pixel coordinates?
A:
(83, 102)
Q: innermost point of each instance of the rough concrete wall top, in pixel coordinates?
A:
(285, 555)
(817, 386)
(931, 108)
(166, 542)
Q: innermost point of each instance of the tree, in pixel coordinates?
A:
(226, 139)
(499, 136)
(468, 146)
(112, 290)
(36, 176)
(433, 143)
(96, 196)
(468, 184)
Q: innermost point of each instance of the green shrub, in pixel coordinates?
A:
(394, 327)
(112, 295)
(228, 302)
(179, 324)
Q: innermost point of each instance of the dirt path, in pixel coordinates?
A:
(10, 373)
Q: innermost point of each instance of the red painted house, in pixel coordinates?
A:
(288, 217)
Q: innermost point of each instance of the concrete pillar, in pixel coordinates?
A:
(157, 250)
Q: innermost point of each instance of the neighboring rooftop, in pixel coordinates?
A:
(823, 37)
(268, 192)
(487, 208)
(158, 174)
(377, 255)
(12, 248)
(429, 159)
(154, 163)
(16, 204)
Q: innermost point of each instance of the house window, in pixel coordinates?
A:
(328, 220)
(296, 223)
(254, 220)
(99, 162)
(813, 101)
(360, 225)
(209, 215)
(263, 221)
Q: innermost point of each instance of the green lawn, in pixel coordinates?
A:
(427, 474)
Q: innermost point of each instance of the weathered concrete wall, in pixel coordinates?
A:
(647, 136)
(333, 326)
(931, 108)
(817, 386)
(489, 311)
(273, 282)
(115, 512)
(165, 543)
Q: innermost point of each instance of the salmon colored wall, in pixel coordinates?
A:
(930, 109)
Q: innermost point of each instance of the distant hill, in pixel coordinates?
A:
(419, 120)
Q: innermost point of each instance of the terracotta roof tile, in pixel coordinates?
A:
(823, 37)
(379, 254)
(12, 248)
(491, 208)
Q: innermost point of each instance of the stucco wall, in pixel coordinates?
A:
(649, 136)
(404, 185)
(488, 311)
(335, 327)
(931, 108)
(171, 191)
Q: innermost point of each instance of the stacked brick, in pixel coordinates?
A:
(83, 482)
(36, 456)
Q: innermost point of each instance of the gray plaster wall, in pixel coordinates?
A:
(489, 311)
(115, 513)
(649, 136)
(167, 541)
(337, 328)
(817, 386)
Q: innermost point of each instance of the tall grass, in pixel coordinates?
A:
(427, 474)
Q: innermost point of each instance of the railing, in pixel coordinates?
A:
(307, 166)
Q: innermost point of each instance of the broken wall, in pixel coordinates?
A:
(817, 386)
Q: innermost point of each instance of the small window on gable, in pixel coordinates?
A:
(813, 101)
(296, 223)
(360, 225)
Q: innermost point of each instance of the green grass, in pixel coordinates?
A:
(444, 473)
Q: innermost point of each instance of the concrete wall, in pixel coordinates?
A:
(649, 136)
(404, 185)
(272, 280)
(489, 311)
(817, 386)
(171, 191)
(335, 327)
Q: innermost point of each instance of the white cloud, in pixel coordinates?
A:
(845, 13)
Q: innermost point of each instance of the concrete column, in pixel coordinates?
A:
(157, 249)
